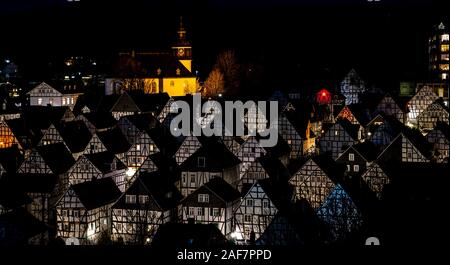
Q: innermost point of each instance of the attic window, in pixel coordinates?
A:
(143, 199)
(178, 71)
(130, 199)
(203, 198)
(201, 162)
(351, 157)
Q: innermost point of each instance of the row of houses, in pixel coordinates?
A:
(111, 170)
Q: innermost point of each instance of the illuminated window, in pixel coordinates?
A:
(351, 157)
(247, 218)
(445, 37)
(200, 211)
(444, 57)
(444, 48)
(64, 101)
(216, 212)
(444, 67)
(39, 101)
(356, 168)
(143, 199)
(191, 211)
(151, 148)
(444, 76)
(203, 198)
(130, 199)
(138, 147)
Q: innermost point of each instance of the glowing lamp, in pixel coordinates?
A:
(130, 172)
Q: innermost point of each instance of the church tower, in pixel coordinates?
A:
(182, 48)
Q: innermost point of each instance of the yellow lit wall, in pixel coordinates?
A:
(179, 86)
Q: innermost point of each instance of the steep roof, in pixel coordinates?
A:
(75, 135)
(96, 193)
(222, 189)
(100, 120)
(114, 141)
(163, 193)
(103, 160)
(57, 157)
(217, 158)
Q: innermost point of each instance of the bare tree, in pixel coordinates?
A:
(215, 83)
(228, 65)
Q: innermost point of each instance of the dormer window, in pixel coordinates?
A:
(201, 161)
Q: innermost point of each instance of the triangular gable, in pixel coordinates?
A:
(166, 110)
(94, 146)
(231, 144)
(82, 170)
(34, 164)
(312, 184)
(401, 147)
(51, 136)
(388, 106)
(44, 88)
(189, 146)
(69, 200)
(347, 114)
(7, 137)
(375, 179)
(339, 212)
(125, 104)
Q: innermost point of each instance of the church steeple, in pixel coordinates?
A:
(182, 48)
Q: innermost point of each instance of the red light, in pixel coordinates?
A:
(324, 94)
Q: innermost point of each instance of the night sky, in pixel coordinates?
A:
(320, 39)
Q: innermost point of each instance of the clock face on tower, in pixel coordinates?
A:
(180, 52)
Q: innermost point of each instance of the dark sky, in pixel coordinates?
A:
(290, 37)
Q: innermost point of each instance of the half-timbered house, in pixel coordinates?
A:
(46, 95)
(407, 148)
(214, 160)
(84, 211)
(315, 179)
(424, 97)
(357, 158)
(439, 138)
(255, 211)
(388, 106)
(212, 203)
(49, 159)
(339, 137)
(339, 211)
(98, 165)
(248, 152)
(352, 87)
(375, 178)
(434, 113)
(149, 202)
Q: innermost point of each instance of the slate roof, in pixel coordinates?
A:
(96, 193)
(75, 135)
(102, 161)
(217, 158)
(19, 226)
(57, 157)
(163, 193)
(11, 158)
(222, 189)
(101, 120)
(114, 141)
